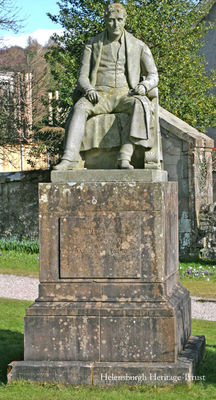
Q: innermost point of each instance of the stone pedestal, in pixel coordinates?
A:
(110, 301)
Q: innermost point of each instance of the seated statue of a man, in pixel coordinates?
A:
(117, 72)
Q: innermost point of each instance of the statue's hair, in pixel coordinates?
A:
(115, 7)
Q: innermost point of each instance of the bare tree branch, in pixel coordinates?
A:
(10, 16)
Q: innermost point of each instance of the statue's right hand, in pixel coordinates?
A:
(93, 96)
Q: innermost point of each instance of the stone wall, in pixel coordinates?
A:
(214, 185)
(207, 221)
(19, 203)
(207, 231)
(188, 160)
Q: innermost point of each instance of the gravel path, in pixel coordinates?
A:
(18, 287)
(24, 288)
(203, 309)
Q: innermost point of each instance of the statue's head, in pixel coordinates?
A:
(115, 19)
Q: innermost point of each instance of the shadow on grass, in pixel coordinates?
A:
(11, 349)
(197, 259)
(207, 366)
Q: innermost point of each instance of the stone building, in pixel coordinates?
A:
(16, 106)
(188, 160)
(16, 88)
(20, 157)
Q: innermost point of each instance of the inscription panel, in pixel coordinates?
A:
(100, 246)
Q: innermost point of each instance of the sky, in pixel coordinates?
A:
(36, 23)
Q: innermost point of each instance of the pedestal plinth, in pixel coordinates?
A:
(110, 301)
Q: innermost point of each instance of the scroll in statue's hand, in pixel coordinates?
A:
(93, 96)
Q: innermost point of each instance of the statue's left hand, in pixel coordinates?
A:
(140, 89)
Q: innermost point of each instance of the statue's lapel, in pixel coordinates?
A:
(130, 55)
(97, 49)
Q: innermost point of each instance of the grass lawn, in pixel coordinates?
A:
(19, 263)
(200, 288)
(11, 348)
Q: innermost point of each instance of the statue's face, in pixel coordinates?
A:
(115, 23)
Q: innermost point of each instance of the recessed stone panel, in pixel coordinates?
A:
(100, 246)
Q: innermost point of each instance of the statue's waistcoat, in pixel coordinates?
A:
(112, 68)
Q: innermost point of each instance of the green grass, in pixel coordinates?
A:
(200, 288)
(19, 263)
(11, 348)
(30, 391)
(208, 365)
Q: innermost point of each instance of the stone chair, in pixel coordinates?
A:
(105, 134)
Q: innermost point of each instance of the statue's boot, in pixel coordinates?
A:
(125, 155)
(124, 164)
(64, 165)
(76, 130)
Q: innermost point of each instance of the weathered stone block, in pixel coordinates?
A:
(137, 339)
(109, 286)
(114, 373)
(61, 338)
